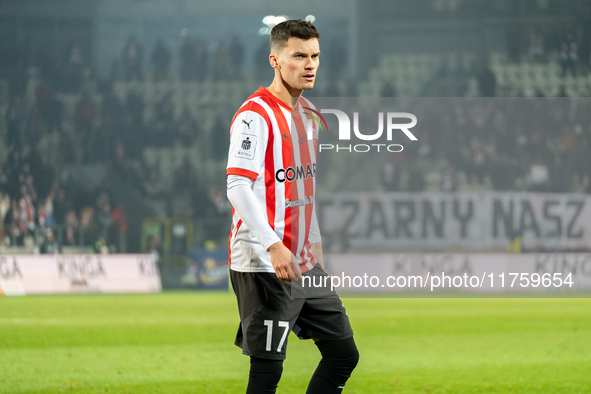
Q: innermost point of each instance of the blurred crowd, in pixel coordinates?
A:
(39, 202)
(497, 144)
(36, 211)
(569, 45)
(198, 60)
(500, 144)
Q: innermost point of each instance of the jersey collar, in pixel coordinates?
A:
(266, 92)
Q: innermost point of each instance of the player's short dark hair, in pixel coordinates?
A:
(297, 28)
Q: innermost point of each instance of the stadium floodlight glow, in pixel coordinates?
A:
(263, 31)
(269, 20)
(310, 18)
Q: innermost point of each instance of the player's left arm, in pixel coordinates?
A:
(316, 250)
(314, 235)
(315, 239)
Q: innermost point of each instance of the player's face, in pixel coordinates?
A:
(298, 62)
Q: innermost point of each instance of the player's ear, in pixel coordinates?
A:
(273, 59)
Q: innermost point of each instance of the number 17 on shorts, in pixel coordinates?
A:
(282, 330)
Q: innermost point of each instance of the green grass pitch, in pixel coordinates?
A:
(183, 343)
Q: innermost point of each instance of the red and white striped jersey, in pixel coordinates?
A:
(269, 144)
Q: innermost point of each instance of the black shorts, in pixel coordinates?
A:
(268, 311)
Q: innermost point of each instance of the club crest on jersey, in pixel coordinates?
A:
(302, 137)
(247, 146)
(291, 174)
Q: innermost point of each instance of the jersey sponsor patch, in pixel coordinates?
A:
(248, 146)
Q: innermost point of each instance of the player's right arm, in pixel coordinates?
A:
(240, 194)
(248, 140)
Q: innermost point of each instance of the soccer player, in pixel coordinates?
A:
(275, 238)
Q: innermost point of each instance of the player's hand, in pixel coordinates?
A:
(296, 272)
(284, 263)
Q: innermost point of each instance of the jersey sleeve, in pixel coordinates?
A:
(314, 234)
(240, 194)
(249, 134)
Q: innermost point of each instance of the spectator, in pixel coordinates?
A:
(50, 245)
(194, 60)
(388, 90)
(105, 219)
(88, 225)
(116, 72)
(85, 114)
(478, 161)
(27, 213)
(45, 213)
(337, 58)
(515, 175)
(487, 82)
(202, 60)
(134, 107)
(160, 60)
(559, 175)
(121, 224)
(512, 42)
(236, 57)
(221, 68)
(73, 72)
(164, 109)
(60, 204)
(569, 57)
(573, 57)
(416, 180)
(188, 59)
(100, 246)
(15, 119)
(261, 60)
(220, 138)
(4, 209)
(220, 201)
(15, 223)
(563, 58)
(187, 128)
(498, 174)
(390, 176)
(71, 227)
(3, 179)
(536, 45)
(449, 180)
(36, 127)
(49, 106)
(132, 60)
(332, 90)
(155, 249)
(111, 107)
(424, 150)
(539, 177)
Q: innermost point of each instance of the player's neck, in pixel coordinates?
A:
(284, 92)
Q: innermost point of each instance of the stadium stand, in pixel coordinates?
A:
(68, 146)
